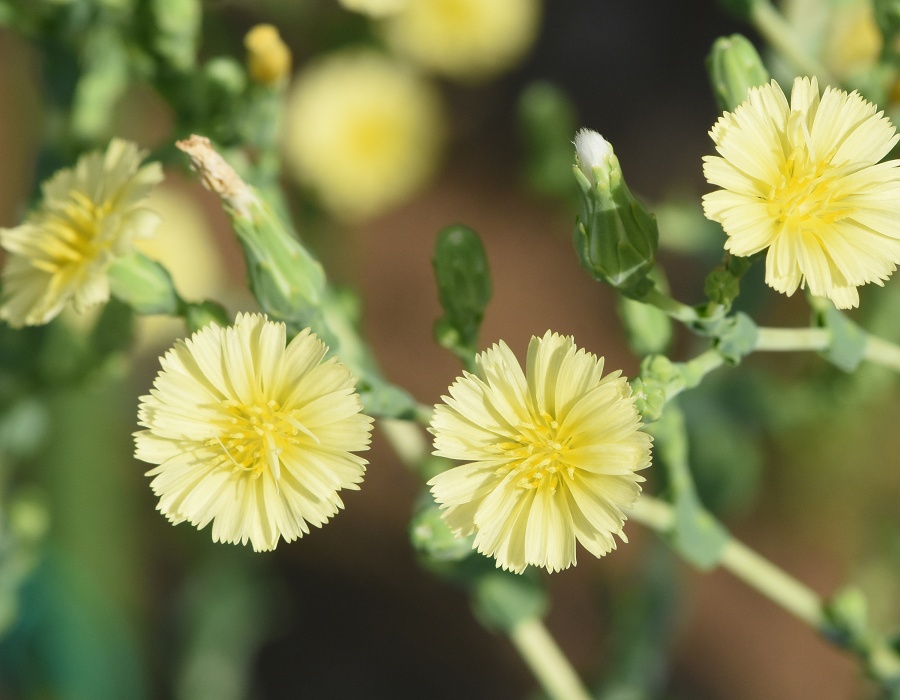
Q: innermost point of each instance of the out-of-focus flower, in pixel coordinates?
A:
(252, 435)
(551, 454)
(853, 41)
(376, 8)
(268, 57)
(803, 180)
(465, 39)
(362, 131)
(90, 216)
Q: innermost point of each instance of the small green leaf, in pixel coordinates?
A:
(697, 535)
(848, 341)
(464, 289)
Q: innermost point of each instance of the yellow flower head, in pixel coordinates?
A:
(375, 8)
(90, 215)
(803, 179)
(252, 435)
(551, 454)
(465, 39)
(362, 131)
(268, 57)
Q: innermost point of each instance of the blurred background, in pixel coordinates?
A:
(100, 597)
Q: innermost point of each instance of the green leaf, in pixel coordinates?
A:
(697, 535)
(737, 338)
(848, 341)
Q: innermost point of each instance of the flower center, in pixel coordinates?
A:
(254, 436)
(808, 195)
(538, 454)
(76, 232)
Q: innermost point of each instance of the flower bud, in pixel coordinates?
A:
(615, 235)
(734, 66)
(143, 284)
(268, 57)
(285, 279)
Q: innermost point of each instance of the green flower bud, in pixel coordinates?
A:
(615, 235)
(734, 66)
(143, 284)
(464, 288)
(199, 315)
(287, 282)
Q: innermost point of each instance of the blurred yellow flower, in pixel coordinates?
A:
(252, 435)
(363, 132)
(803, 180)
(853, 41)
(551, 454)
(465, 39)
(375, 8)
(268, 57)
(90, 215)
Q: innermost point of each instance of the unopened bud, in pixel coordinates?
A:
(285, 279)
(615, 235)
(143, 284)
(268, 57)
(734, 66)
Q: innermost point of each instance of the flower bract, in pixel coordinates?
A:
(803, 180)
(252, 435)
(90, 216)
(551, 454)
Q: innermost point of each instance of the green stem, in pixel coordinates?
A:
(882, 662)
(773, 27)
(545, 659)
(671, 307)
(407, 440)
(792, 339)
(881, 352)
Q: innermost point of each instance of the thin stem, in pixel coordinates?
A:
(545, 659)
(773, 27)
(752, 568)
(407, 440)
(882, 352)
(790, 339)
(671, 307)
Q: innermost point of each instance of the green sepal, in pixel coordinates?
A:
(432, 537)
(736, 337)
(144, 284)
(723, 284)
(464, 289)
(501, 600)
(848, 341)
(696, 534)
(734, 66)
(650, 398)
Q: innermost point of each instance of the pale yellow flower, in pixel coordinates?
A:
(551, 454)
(465, 39)
(803, 179)
(375, 8)
(252, 435)
(90, 216)
(363, 131)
